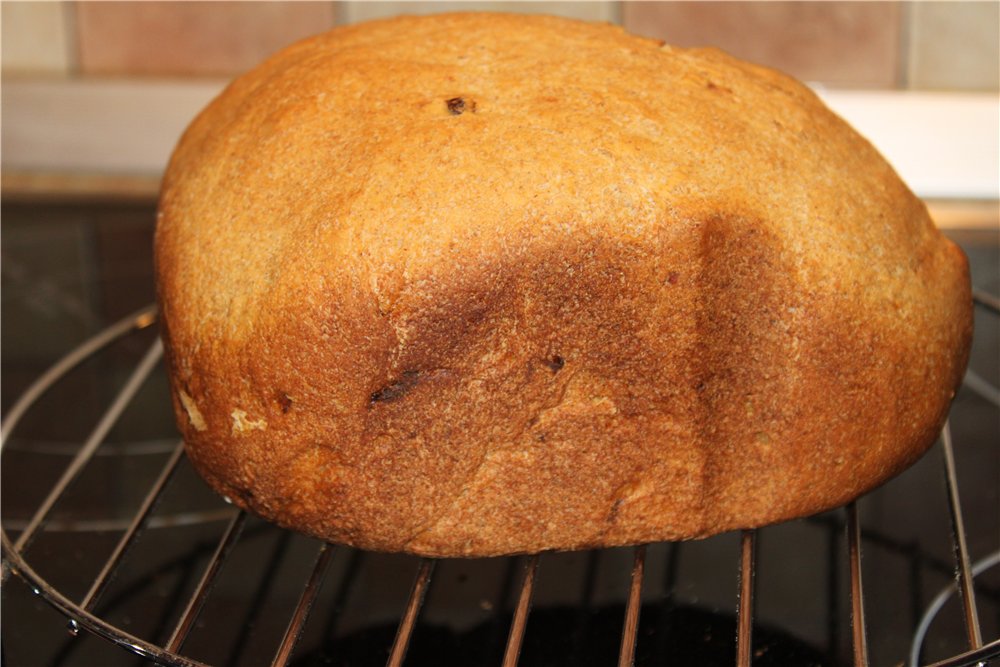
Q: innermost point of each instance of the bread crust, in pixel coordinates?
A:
(481, 284)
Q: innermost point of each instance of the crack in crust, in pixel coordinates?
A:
(397, 389)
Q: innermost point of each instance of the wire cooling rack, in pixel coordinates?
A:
(82, 612)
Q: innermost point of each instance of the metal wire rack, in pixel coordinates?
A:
(82, 612)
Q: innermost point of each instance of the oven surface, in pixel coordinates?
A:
(201, 581)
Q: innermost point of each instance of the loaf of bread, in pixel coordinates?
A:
(479, 284)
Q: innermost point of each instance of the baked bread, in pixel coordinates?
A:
(479, 284)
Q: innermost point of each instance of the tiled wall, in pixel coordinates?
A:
(920, 45)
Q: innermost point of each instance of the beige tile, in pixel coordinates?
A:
(954, 45)
(363, 10)
(843, 44)
(177, 38)
(34, 37)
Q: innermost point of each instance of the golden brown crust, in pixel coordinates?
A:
(479, 284)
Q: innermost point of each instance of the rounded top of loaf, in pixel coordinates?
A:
(387, 143)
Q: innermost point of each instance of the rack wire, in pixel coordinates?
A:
(81, 613)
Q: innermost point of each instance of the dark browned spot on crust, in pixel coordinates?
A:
(711, 85)
(244, 497)
(390, 392)
(672, 277)
(459, 105)
(285, 401)
(615, 507)
(555, 363)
